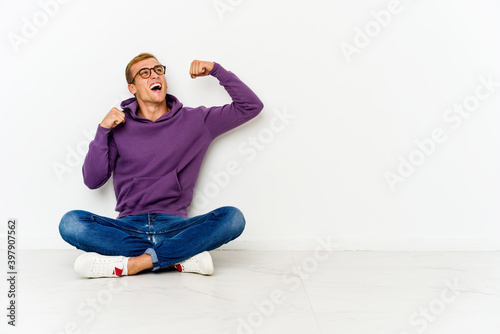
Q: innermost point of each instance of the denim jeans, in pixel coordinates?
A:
(169, 239)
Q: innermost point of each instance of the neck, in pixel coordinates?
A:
(152, 111)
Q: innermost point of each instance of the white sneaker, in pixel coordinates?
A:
(93, 265)
(199, 264)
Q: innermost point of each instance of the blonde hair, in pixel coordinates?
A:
(129, 76)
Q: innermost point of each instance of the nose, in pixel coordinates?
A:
(154, 74)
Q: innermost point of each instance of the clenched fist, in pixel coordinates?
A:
(200, 68)
(114, 117)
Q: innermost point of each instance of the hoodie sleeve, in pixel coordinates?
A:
(100, 159)
(246, 105)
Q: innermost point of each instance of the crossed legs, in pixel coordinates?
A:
(152, 241)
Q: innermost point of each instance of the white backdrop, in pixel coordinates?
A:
(380, 126)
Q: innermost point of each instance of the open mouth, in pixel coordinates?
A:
(155, 87)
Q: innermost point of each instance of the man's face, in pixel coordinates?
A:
(152, 89)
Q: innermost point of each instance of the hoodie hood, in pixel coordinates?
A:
(131, 106)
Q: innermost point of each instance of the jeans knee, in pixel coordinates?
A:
(69, 225)
(235, 219)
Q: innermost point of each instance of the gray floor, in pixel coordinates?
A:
(267, 292)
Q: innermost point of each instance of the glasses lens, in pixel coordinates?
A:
(159, 69)
(145, 73)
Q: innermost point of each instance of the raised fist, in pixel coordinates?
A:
(200, 68)
(114, 117)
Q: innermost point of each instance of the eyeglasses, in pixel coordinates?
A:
(146, 72)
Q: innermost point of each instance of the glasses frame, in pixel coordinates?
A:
(149, 69)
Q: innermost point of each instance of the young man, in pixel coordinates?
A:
(154, 149)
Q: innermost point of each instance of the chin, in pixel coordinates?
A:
(158, 99)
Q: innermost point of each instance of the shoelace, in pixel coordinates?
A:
(104, 267)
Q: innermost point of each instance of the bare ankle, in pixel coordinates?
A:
(139, 263)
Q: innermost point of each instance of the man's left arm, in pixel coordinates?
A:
(245, 106)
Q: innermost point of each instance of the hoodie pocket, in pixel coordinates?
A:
(146, 191)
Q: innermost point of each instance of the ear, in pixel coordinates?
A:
(131, 89)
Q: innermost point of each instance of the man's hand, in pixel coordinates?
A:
(114, 117)
(200, 68)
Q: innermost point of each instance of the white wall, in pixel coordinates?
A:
(321, 170)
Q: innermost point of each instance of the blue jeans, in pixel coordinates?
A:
(169, 239)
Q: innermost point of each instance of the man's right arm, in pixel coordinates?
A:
(100, 160)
